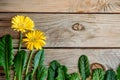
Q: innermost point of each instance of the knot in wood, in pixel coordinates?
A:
(97, 65)
(77, 27)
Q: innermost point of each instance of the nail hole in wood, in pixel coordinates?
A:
(77, 27)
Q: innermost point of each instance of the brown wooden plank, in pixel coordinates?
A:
(60, 6)
(72, 30)
(110, 58)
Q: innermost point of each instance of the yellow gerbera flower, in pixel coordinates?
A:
(22, 23)
(35, 40)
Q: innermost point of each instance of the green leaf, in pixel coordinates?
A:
(6, 54)
(62, 71)
(57, 71)
(42, 57)
(74, 76)
(38, 60)
(52, 70)
(118, 73)
(29, 76)
(110, 75)
(98, 74)
(84, 67)
(64, 68)
(20, 63)
(42, 72)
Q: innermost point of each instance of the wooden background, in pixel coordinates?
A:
(72, 27)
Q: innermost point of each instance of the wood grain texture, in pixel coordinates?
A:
(71, 30)
(110, 58)
(81, 6)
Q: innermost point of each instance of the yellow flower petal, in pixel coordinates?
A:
(35, 40)
(22, 23)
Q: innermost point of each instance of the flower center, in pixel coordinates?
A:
(21, 25)
(33, 40)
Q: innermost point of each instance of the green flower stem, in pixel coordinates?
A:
(29, 59)
(20, 42)
(7, 75)
(14, 77)
(33, 72)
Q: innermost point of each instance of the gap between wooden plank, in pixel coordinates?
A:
(65, 12)
(76, 47)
